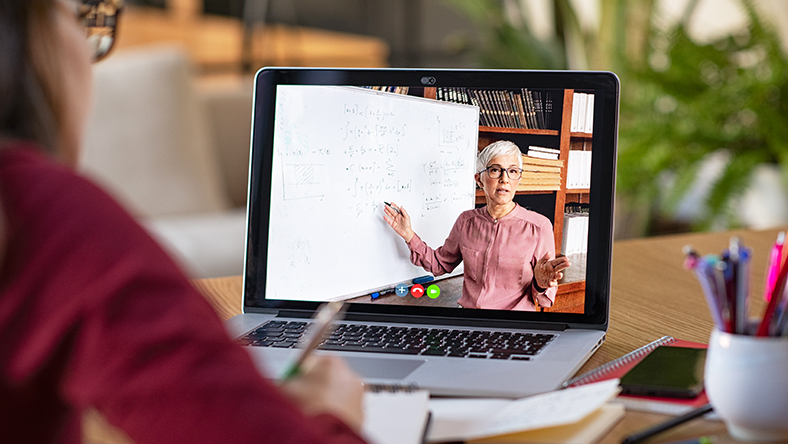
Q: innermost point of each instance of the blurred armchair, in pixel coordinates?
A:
(175, 152)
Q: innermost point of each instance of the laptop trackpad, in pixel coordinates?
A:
(372, 368)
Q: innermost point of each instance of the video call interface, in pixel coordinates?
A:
(342, 154)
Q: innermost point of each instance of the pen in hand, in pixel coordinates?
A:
(393, 207)
(325, 317)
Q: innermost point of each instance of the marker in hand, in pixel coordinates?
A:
(325, 317)
(393, 207)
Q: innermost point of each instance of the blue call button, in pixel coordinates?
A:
(401, 290)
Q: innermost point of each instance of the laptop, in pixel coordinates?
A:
(331, 147)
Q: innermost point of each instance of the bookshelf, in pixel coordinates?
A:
(571, 295)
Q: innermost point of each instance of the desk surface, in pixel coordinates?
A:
(652, 296)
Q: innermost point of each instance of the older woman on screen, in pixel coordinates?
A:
(508, 251)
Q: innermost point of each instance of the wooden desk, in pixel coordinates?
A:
(652, 296)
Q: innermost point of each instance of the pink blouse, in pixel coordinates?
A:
(499, 257)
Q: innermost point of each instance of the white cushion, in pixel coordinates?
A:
(206, 245)
(148, 140)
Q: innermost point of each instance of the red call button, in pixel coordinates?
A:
(417, 291)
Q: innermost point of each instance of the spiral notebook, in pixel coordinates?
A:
(395, 414)
(620, 366)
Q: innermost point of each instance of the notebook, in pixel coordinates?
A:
(617, 368)
(396, 415)
(330, 147)
(579, 414)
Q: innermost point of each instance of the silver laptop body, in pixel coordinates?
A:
(329, 146)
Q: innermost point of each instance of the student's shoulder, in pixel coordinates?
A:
(37, 190)
(41, 184)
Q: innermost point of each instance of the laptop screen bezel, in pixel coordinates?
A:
(605, 86)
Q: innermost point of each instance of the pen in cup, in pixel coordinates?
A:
(775, 262)
(325, 317)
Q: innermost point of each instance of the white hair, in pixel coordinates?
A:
(497, 149)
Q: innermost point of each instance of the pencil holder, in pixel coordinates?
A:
(747, 384)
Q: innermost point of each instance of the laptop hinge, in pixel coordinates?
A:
(463, 322)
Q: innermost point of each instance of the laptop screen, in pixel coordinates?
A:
(349, 164)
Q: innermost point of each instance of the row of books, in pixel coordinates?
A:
(582, 113)
(574, 244)
(540, 174)
(391, 89)
(523, 109)
(578, 170)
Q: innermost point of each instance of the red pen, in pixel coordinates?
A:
(775, 262)
(777, 291)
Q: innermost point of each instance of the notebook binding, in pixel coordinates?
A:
(603, 370)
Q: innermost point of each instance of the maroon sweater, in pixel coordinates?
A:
(94, 314)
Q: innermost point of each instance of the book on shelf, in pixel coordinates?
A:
(523, 109)
(530, 160)
(574, 242)
(617, 368)
(392, 89)
(541, 180)
(548, 109)
(534, 187)
(538, 109)
(582, 113)
(589, 120)
(542, 152)
(578, 170)
(530, 167)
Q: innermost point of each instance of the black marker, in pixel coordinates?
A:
(392, 207)
(669, 424)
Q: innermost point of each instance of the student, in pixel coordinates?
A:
(93, 314)
(507, 250)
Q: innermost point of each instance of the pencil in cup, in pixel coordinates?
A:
(724, 280)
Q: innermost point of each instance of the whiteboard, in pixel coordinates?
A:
(339, 153)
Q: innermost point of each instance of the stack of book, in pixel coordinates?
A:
(582, 113)
(540, 174)
(522, 109)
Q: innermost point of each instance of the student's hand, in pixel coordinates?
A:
(400, 222)
(547, 272)
(327, 385)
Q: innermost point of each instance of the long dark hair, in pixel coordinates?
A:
(31, 106)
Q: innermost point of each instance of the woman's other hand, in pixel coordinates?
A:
(548, 272)
(327, 385)
(399, 220)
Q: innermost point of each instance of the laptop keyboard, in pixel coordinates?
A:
(406, 340)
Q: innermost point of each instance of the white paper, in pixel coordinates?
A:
(395, 417)
(463, 419)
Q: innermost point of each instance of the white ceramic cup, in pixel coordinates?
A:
(747, 384)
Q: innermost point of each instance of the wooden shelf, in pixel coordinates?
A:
(570, 297)
(215, 43)
(536, 132)
(581, 135)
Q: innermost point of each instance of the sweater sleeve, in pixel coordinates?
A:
(102, 317)
(438, 261)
